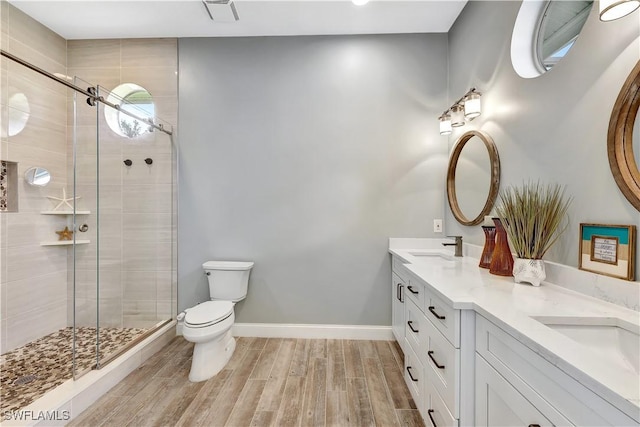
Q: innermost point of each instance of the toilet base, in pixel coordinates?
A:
(210, 357)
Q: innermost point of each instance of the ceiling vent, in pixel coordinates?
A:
(221, 10)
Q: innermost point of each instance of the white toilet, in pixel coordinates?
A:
(208, 324)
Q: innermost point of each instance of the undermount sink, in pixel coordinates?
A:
(432, 254)
(615, 340)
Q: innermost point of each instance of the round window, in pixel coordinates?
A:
(134, 113)
(544, 32)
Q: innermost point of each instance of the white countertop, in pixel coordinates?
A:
(511, 306)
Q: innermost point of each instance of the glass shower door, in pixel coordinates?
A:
(84, 274)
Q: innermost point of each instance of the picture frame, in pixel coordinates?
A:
(608, 249)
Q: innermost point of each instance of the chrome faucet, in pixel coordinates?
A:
(457, 244)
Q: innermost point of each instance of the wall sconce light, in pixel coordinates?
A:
(445, 123)
(468, 107)
(457, 115)
(615, 9)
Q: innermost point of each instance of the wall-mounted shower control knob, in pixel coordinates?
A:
(148, 161)
(128, 162)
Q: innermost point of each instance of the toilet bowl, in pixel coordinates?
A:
(208, 324)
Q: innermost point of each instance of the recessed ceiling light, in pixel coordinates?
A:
(360, 2)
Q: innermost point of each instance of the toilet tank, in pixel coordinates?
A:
(228, 280)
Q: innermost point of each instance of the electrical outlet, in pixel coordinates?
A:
(437, 226)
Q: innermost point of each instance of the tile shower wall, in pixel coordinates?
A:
(136, 230)
(33, 278)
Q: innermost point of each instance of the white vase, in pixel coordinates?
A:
(528, 271)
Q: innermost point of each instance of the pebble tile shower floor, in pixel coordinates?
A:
(49, 359)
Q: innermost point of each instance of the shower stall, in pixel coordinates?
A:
(87, 222)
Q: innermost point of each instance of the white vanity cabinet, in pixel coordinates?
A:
(517, 386)
(399, 281)
(433, 355)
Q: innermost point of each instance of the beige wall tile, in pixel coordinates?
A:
(167, 110)
(3, 302)
(140, 173)
(30, 325)
(139, 285)
(36, 294)
(40, 133)
(28, 156)
(158, 81)
(146, 145)
(93, 53)
(111, 313)
(40, 38)
(164, 310)
(150, 53)
(141, 256)
(107, 77)
(29, 227)
(33, 199)
(147, 198)
(163, 285)
(4, 24)
(33, 261)
(22, 50)
(86, 311)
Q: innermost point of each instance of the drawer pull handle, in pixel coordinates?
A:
(412, 291)
(399, 292)
(433, 311)
(534, 425)
(411, 376)
(410, 323)
(429, 412)
(430, 354)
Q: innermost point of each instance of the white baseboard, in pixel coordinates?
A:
(282, 330)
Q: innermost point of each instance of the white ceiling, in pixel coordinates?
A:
(91, 19)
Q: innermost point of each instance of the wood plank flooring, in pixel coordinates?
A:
(267, 382)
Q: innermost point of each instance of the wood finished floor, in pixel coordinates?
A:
(267, 382)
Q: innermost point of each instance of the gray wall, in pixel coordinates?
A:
(305, 154)
(554, 127)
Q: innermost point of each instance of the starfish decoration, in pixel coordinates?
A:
(64, 200)
(65, 234)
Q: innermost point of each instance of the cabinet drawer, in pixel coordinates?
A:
(435, 412)
(442, 367)
(499, 403)
(541, 382)
(415, 327)
(443, 316)
(414, 291)
(397, 267)
(414, 377)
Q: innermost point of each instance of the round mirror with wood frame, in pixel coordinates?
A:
(451, 177)
(620, 138)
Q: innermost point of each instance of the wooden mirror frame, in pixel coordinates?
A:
(451, 177)
(620, 138)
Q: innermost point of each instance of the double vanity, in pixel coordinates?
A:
(481, 350)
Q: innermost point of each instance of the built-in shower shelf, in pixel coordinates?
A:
(65, 212)
(64, 242)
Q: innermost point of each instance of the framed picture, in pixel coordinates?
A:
(608, 249)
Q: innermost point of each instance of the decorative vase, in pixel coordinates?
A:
(529, 271)
(501, 259)
(489, 245)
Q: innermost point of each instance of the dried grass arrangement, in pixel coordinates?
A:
(534, 216)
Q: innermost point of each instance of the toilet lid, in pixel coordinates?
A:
(208, 312)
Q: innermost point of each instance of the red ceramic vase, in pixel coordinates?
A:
(501, 259)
